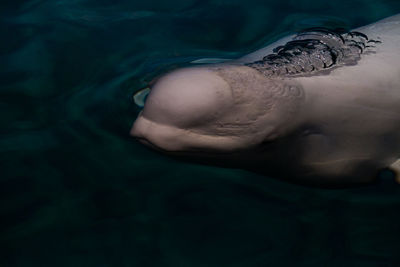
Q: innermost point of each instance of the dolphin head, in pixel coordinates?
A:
(216, 110)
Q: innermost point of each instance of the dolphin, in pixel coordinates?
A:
(321, 107)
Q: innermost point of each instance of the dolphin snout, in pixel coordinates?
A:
(155, 135)
(139, 133)
(187, 98)
(178, 104)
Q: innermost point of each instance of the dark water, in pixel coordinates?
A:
(76, 190)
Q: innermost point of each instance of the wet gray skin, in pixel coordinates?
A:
(320, 108)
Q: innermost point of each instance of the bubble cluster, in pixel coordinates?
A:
(313, 50)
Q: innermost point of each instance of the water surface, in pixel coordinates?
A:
(76, 190)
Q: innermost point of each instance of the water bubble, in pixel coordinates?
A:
(141, 96)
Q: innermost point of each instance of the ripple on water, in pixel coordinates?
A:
(76, 189)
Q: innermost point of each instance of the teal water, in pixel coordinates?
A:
(76, 190)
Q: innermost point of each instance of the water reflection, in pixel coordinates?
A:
(76, 189)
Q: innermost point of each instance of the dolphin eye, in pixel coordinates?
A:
(140, 97)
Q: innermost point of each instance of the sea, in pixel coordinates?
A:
(76, 190)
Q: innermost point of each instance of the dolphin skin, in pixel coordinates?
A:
(321, 107)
